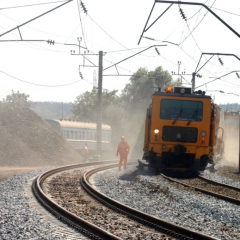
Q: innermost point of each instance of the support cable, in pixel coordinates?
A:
(36, 18)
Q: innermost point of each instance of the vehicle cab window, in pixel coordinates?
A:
(181, 109)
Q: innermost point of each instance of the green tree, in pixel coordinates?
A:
(144, 83)
(84, 107)
(13, 101)
(17, 99)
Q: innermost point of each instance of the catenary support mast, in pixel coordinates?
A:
(99, 104)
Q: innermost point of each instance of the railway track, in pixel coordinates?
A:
(84, 227)
(223, 191)
(91, 230)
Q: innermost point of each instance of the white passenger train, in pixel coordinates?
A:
(79, 133)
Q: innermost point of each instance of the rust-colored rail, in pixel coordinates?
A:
(86, 228)
(159, 224)
(215, 194)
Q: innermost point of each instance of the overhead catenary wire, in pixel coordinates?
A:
(57, 35)
(129, 50)
(31, 5)
(184, 21)
(37, 84)
(181, 50)
(226, 11)
(218, 78)
(79, 13)
(191, 31)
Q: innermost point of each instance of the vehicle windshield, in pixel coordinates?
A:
(190, 110)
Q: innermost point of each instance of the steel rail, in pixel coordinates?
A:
(154, 222)
(220, 184)
(221, 196)
(86, 228)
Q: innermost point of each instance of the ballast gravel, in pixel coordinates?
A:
(182, 206)
(215, 177)
(18, 220)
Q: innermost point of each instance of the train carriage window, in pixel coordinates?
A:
(71, 135)
(75, 135)
(107, 137)
(83, 135)
(67, 134)
(90, 136)
(181, 109)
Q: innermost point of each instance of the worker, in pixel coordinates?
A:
(123, 150)
(85, 152)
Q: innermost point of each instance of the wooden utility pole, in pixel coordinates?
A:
(99, 105)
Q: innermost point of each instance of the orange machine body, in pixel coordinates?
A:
(183, 131)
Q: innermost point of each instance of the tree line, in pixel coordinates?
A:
(124, 111)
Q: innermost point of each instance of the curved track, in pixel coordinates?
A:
(87, 228)
(228, 193)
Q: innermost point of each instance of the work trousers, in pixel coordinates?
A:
(123, 159)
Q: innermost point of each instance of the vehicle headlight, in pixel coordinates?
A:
(182, 90)
(156, 131)
(203, 134)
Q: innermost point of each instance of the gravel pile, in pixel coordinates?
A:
(18, 219)
(184, 207)
(28, 141)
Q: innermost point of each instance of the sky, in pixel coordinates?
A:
(50, 72)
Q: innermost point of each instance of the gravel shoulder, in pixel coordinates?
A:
(7, 172)
(182, 206)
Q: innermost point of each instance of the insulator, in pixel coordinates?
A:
(50, 42)
(83, 7)
(182, 14)
(237, 75)
(220, 60)
(157, 51)
(81, 76)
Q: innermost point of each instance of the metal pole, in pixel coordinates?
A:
(239, 143)
(193, 81)
(99, 105)
(62, 110)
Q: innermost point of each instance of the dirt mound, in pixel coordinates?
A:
(27, 140)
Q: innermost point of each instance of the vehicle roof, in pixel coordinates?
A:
(180, 95)
(75, 124)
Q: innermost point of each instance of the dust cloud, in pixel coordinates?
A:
(231, 142)
(133, 129)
